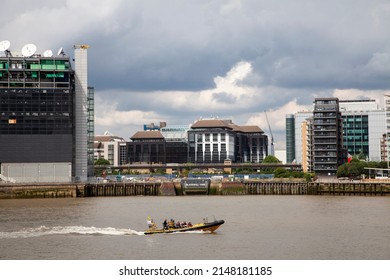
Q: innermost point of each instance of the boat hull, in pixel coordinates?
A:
(207, 227)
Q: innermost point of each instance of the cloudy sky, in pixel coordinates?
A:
(178, 61)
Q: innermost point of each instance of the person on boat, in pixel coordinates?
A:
(184, 224)
(178, 224)
(165, 224)
(189, 224)
(150, 222)
(171, 223)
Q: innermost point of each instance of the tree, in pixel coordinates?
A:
(102, 161)
(281, 173)
(271, 159)
(354, 169)
(342, 170)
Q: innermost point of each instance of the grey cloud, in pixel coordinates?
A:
(298, 49)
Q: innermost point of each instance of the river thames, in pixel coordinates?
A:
(256, 227)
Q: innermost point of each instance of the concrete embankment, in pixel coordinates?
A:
(173, 188)
(40, 190)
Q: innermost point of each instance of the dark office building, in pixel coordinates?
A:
(36, 104)
(328, 151)
(147, 147)
(176, 152)
(251, 144)
(151, 147)
(290, 138)
(37, 117)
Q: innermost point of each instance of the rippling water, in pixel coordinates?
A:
(256, 227)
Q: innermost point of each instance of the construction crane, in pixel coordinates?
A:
(272, 137)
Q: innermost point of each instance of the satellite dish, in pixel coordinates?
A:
(48, 53)
(29, 50)
(4, 45)
(60, 51)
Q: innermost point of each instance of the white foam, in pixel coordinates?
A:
(64, 230)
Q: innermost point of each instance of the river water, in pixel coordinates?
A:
(256, 227)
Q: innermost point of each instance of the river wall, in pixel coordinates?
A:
(41, 190)
(174, 188)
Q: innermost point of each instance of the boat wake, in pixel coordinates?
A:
(66, 230)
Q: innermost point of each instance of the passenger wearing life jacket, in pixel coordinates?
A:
(171, 223)
(150, 223)
(165, 224)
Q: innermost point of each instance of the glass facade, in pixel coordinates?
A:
(36, 109)
(157, 151)
(216, 144)
(364, 123)
(290, 139)
(356, 134)
(91, 129)
(387, 109)
(210, 145)
(40, 118)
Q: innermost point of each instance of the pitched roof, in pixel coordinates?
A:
(250, 129)
(211, 124)
(228, 124)
(149, 134)
(107, 138)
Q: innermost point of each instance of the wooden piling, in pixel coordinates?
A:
(122, 189)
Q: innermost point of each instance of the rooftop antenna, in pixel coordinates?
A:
(272, 137)
(60, 52)
(4, 46)
(48, 53)
(29, 50)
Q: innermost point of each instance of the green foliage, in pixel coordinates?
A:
(309, 176)
(159, 171)
(102, 161)
(271, 159)
(342, 171)
(244, 170)
(361, 156)
(281, 172)
(356, 168)
(184, 173)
